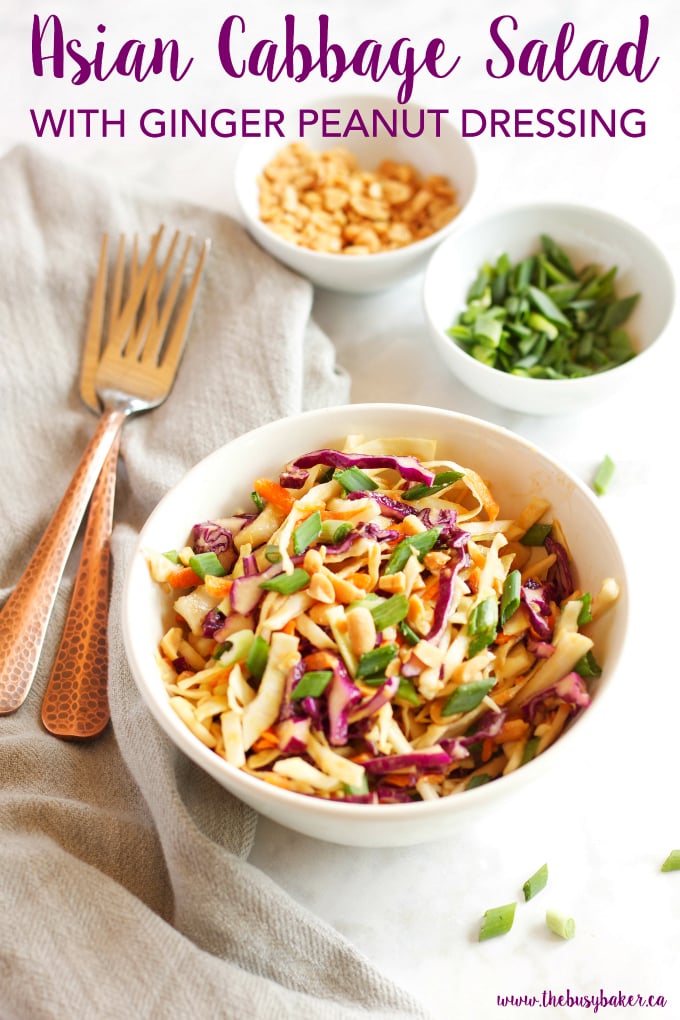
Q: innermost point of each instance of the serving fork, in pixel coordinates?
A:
(135, 371)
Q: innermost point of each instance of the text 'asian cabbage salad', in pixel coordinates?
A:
(373, 630)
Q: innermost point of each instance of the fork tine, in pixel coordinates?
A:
(121, 327)
(117, 288)
(149, 319)
(172, 350)
(154, 340)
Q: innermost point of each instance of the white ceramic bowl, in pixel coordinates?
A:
(587, 235)
(516, 470)
(447, 153)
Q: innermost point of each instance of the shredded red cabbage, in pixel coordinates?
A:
(213, 621)
(571, 689)
(434, 757)
(342, 694)
(560, 574)
(209, 536)
(536, 597)
(408, 467)
(246, 592)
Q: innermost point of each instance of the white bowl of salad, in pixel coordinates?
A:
(370, 621)
(549, 307)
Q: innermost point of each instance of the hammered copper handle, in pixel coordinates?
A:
(76, 705)
(24, 618)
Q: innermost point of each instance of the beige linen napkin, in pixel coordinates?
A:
(125, 890)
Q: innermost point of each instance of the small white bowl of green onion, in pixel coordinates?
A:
(546, 308)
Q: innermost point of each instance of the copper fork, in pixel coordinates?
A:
(135, 373)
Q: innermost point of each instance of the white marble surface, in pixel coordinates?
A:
(604, 827)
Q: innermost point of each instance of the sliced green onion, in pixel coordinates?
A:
(376, 661)
(497, 921)
(440, 481)
(172, 555)
(334, 531)
(481, 779)
(286, 584)
(357, 791)
(391, 611)
(560, 923)
(604, 475)
(408, 633)
(482, 625)
(256, 663)
(588, 666)
(585, 615)
(536, 882)
(672, 862)
(206, 563)
(483, 616)
(307, 532)
(257, 500)
(530, 749)
(312, 683)
(510, 598)
(407, 692)
(420, 544)
(236, 649)
(354, 480)
(536, 534)
(272, 554)
(467, 696)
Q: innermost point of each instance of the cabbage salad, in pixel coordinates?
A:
(373, 630)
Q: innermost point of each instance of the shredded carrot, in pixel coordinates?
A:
(266, 741)
(218, 587)
(430, 591)
(184, 578)
(488, 748)
(502, 638)
(289, 627)
(272, 492)
(319, 660)
(512, 729)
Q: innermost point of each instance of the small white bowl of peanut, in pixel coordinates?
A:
(358, 192)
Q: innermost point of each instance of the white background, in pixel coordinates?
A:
(604, 826)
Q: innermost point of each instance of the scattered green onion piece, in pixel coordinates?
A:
(510, 598)
(497, 921)
(408, 633)
(307, 532)
(560, 923)
(536, 882)
(256, 663)
(286, 584)
(376, 661)
(206, 563)
(272, 554)
(604, 475)
(420, 544)
(257, 500)
(354, 480)
(467, 696)
(391, 611)
(440, 481)
(672, 862)
(536, 534)
(172, 555)
(312, 684)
